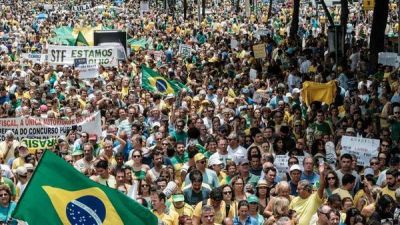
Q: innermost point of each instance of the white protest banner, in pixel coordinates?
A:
(34, 57)
(88, 71)
(388, 59)
(46, 128)
(81, 8)
(363, 148)
(65, 55)
(185, 50)
(234, 43)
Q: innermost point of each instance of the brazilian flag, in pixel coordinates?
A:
(58, 194)
(154, 82)
(81, 40)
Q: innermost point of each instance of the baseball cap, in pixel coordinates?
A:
(198, 157)
(252, 199)
(214, 161)
(29, 166)
(243, 161)
(178, 198)
(21, 171)
(77, 152)
(295, 167)
(368, 171)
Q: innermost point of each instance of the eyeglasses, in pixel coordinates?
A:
(374, 163)
(70, 161)
(227, 192)
(331, 178)
(4, 195)
(202, 161)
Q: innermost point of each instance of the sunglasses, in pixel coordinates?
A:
(202, 161)
(4, 195)
(374, 163)
(70, 161)
(227, 192)
(136, 156)
(331, 178)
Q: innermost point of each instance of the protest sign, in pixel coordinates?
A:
(363, 148)
(388, 59)
(144, 7)
(34, 57)
(35, 144)
(87, 71)
(185, 50)
(65, 55)
(281, 163)
(45, 128)
(80, 61)
(81, 8)
(253, 74)
(259, 51)
(234, 43)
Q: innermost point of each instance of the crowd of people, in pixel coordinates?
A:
(208, 154)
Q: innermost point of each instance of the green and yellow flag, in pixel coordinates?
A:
(154, 82)
(69, 197)
(81, 40)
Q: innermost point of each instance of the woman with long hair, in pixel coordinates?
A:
(229, 198)
(138, 168)
(238, 188)
(332, 181)
(144, 190)
(262, 194)
(278, 146)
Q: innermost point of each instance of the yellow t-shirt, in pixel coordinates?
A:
(169, 219)
(306, 208)
(387, 191)
(342, 193)
(185, 210)
(17, 163)
(219, 215)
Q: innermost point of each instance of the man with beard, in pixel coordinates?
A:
(85, 164)
(391, 184)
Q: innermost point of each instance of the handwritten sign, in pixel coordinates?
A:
(363, 148)
(259, 51)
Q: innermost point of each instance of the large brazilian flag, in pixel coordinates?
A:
(58, 194)
(154, 82)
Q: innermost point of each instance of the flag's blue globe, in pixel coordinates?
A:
(86, 210)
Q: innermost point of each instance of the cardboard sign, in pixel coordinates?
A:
(368, 5)
(388, 59)
(259, 51)
(185, 50)
(88, 71)
(363, 148)
(65, 55)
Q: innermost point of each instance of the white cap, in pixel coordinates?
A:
(214, 161)
(295, 91)
(295, 167)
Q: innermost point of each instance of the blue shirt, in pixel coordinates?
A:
(5, 212)
(313, 178)
(249, 221)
